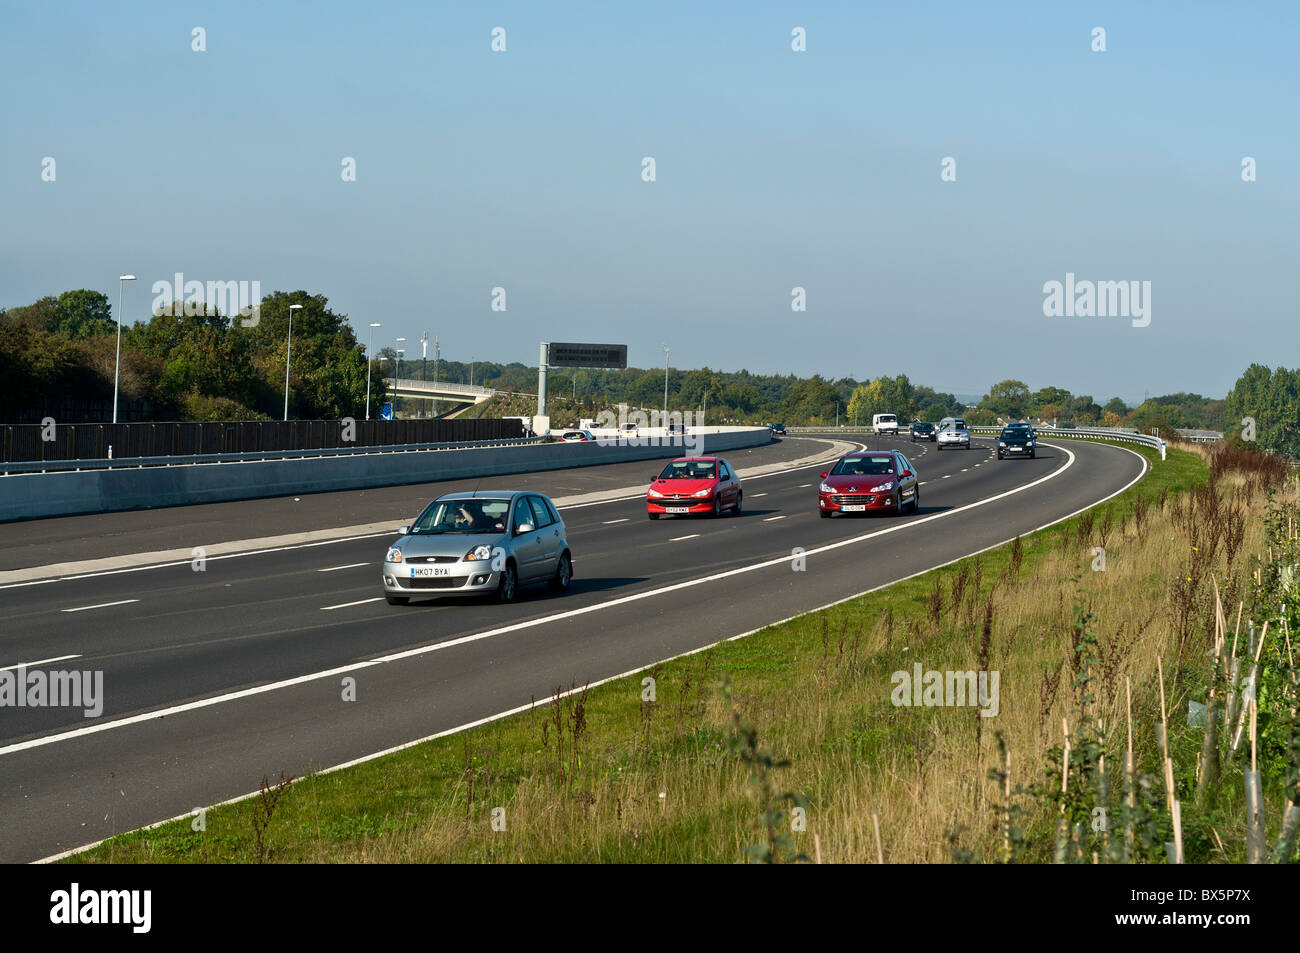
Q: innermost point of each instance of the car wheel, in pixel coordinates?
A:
(397, 600)
(563, 574)
(653, 516)
(1031, 454)
(735, 510)
(825, 514)
(717, 506)
(508, 586)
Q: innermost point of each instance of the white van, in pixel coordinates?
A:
(884, 423)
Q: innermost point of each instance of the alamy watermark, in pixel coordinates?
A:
(639, 428)
(20, 688)
(1098, 299)
(935, 689)
(192, 298)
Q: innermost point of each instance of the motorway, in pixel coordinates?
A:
(214, 679)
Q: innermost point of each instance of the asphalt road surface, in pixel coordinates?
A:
(214, 679)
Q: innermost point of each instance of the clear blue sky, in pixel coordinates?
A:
(775, 169)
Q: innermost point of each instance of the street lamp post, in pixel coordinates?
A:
(665, 385)
(288, 355)
(397, 369)
(369, 347)
(117, 360)
(437, 355)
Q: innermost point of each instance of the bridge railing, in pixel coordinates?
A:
(440, 387)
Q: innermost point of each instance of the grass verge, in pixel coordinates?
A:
(787, 744)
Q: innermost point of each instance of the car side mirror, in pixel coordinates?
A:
(823, 476)
(403, 530)
(523, 528)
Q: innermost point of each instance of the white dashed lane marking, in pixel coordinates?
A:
(344, 605)
(44, 661)
(770, 518)
(102, 605)
(678, 539)
(348, 566)
(612, 522)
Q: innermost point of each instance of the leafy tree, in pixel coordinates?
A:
(1058, 396)
(1116, 406)
(810, 399)
(1009, 399)
(84, 314)
(1272, 400)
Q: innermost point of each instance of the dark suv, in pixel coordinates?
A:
(1016, 440)
(777, 429)
(922, 430)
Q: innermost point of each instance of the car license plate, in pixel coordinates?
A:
(854, 507)
(677, 509)
(430, 571)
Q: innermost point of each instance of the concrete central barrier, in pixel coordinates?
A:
(38, 495)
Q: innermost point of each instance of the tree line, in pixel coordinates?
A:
(201, 365)
(197, 364)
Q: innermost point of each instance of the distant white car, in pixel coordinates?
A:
(884, 423)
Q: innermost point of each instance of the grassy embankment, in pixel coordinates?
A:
(602, 775)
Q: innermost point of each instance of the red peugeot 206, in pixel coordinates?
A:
(869, 480)
(694, 485)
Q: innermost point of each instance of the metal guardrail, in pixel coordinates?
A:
(58, 466)
(1086, 433)
(1075, 433)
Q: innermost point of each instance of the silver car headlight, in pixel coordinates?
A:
(826, 488)
(1002, 443)
(394, 556)
(883, 487)
(479, 552)
(704, 492)
(653, 492)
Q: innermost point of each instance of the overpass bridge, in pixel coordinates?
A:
(438, 390)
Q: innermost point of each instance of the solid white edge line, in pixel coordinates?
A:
(102, 605)
(44, 661)
(186, 562)
(613, 678)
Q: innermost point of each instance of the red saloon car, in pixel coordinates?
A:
(869, 480)
(693, 485)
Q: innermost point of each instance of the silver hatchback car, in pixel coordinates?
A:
(474, 544)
